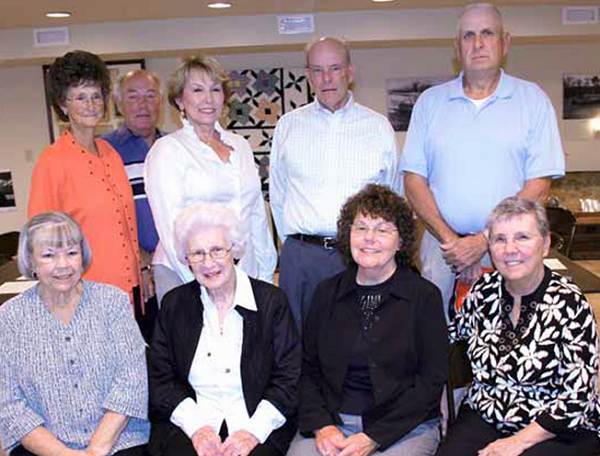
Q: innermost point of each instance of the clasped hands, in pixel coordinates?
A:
(208, 443)
(463, 254)
(330, 441)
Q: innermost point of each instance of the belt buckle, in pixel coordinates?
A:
(329, 243)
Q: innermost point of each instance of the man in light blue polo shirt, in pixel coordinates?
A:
(471, 142)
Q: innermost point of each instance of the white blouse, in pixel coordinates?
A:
(216, 375)
(181, 170)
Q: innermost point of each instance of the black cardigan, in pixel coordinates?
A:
(270, 362)
(407, 355)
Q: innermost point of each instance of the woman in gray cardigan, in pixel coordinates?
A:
(73, 377)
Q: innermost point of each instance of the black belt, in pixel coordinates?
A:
(328, 243)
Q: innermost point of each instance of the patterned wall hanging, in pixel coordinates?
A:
(259, 99)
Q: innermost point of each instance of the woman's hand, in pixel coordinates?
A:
(329, 440)
(206, 442)
(240, 443)
(529, 436)
(509, 446)
(358, 445)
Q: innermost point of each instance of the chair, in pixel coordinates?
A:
(459, 375)
(562, 224)
(9, 242)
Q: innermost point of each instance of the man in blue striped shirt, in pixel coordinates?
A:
(138, 98)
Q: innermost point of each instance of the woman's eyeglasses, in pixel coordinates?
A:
(380, 231)
(215, 253)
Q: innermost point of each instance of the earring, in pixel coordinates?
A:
(34, 274)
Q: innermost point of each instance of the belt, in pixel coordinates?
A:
(328, 243)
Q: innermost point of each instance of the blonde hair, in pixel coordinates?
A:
(208, 65)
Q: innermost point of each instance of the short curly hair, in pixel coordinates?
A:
(378, 201)
(71, 70)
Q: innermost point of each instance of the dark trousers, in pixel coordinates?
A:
(179, 444)
(470, 433)
(133, 451)
(301, 267)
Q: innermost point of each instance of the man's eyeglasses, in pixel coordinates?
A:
(135, 98)
(318, 71)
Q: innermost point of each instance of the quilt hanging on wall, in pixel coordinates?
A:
(259, 98)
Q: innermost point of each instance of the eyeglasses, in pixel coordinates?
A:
(215, 253)
(318, 71)
(379, 231)
(96, 98)
(135, 98)
(53, 256)
(498, 241)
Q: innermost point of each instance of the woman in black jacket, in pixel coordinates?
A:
(225, 358)
(375, 341)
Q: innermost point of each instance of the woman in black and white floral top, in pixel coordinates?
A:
(532, 343)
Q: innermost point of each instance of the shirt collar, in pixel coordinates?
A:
(505, 88)
(187, 125)
(124, 134)
(347, 106)
(244, 296)
(398, 285)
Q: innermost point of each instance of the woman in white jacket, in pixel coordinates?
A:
(203, 162)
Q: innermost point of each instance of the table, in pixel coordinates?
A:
(586, 280)
(8, 273)
(586, 237)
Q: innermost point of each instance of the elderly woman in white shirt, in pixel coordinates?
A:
(203, 162)
(224, 363)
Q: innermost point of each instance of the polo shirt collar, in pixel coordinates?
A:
(124, 134)
(505, 88)
(399, 283)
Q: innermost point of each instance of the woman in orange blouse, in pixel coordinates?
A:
(84, 176)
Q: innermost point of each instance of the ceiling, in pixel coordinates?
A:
(30, 13)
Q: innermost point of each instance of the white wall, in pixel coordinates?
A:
(226, 32)
(24, 132)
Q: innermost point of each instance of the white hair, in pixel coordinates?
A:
(200, 215)
(480, 6)
(117, 91)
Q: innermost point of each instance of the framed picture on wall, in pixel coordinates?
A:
(581, 96)
(112, 117)
(7, 191)
(402, 94)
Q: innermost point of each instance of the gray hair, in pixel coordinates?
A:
(66, 232)
(118, 88)
(339, 41)
(197, 216)
(480, 6)
(514, 206)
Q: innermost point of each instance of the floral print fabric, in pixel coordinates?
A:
(550, 374)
